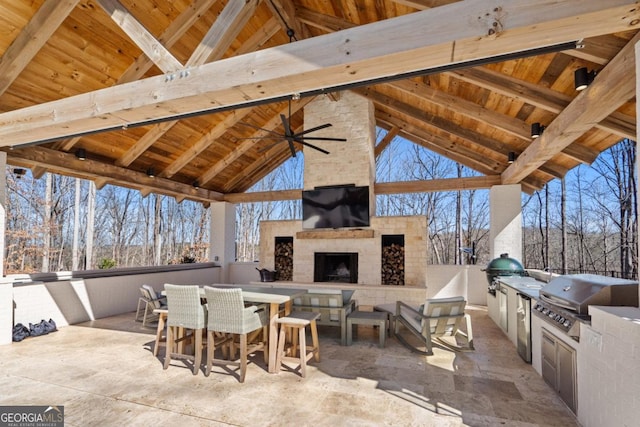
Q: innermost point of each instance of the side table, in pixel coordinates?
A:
(374, 318)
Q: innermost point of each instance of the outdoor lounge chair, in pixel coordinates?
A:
(151, 301)
(435, 319)
(228, 315)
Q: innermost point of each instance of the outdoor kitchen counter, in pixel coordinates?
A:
(504, 310)
(524, 285)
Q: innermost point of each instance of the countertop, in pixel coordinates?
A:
(524, 285)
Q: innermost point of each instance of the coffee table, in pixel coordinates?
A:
(374, 318)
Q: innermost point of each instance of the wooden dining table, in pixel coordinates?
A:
(274, 297)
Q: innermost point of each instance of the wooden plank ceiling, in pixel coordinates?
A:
(180, 86)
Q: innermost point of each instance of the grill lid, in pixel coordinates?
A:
(576, 292)
(503, 266)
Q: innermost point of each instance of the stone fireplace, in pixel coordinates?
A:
(363, 252)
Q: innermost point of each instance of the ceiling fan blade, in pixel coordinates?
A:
(291, 147)
(304, 132)
(287, 126)
(261, 137)
(322, 138)
(322, 150)
(268, 147)
(259, 128)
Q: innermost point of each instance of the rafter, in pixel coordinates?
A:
(224, 30)
(68, 164)
(204, 142)
(142, 64)
(612, 87)
(141, 36)
(32, 37)
(539, 96)
(384, 143)
(212, 47)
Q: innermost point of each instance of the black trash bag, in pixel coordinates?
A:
(40, 328)
(20, 332)
(50, 325)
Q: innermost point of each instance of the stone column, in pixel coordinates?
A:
(506, 221)
(352, 162)
(222, 236)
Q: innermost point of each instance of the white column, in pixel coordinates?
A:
(222, 236)
(637, 46)
(6, 286)
(506, 221)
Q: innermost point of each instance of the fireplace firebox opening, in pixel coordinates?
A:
(339, 267)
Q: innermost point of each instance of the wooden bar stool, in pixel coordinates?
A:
(298, 320)
(162, 318)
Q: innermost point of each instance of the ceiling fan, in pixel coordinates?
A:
(290, 136)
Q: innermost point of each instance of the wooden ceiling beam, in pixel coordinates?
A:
(259, 168)
(612, 87)
(424, 4)
(327, 23)
(168, 38)
(539, 96)
(142, 64)
(384, 102)
(437, 185)
(204, 142)
(140, 36)
(142, 144)
(223, 32)
(68, 164)
(598, 50)
(403, 187)
(285, 12)
(382, 145)
(263, 196)
(453, 151)
(505, 123)
(440, 145)
(259, 38)
(212, 47)
(32, 37)
(423, 40)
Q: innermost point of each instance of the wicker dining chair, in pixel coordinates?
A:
(185, 313)
(228, 315)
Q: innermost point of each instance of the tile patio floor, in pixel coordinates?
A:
(104, 374)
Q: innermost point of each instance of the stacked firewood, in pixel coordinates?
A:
(393, 265)
(284, 261)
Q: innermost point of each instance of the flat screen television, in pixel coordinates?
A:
(335, 207)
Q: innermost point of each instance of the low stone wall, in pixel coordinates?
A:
(75, 297)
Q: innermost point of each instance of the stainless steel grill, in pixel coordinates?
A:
(565, 300)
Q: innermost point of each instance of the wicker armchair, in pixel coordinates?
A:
(228, 315)
(185, 312)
